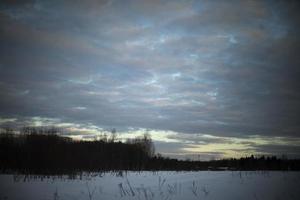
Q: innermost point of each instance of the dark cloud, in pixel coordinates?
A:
(16, 2)
(225, 68)
(279, 150)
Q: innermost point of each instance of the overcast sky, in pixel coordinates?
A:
(209, 78)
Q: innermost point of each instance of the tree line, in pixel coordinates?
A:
(43, 151)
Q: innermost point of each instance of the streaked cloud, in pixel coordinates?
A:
(227, 69)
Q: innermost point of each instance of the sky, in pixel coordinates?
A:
(206, 79)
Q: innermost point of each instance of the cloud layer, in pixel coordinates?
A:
(221, 68)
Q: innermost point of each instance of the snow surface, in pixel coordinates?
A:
(206, 185)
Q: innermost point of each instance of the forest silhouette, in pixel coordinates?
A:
(43, 151)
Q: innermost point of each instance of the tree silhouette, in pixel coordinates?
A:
(43, 151)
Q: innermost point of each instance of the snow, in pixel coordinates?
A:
(207, 185)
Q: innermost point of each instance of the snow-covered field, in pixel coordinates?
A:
(205, 185)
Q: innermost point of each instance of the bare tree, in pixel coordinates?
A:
(113, 136)
(148, 144)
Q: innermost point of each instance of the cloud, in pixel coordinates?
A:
(227, 69)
